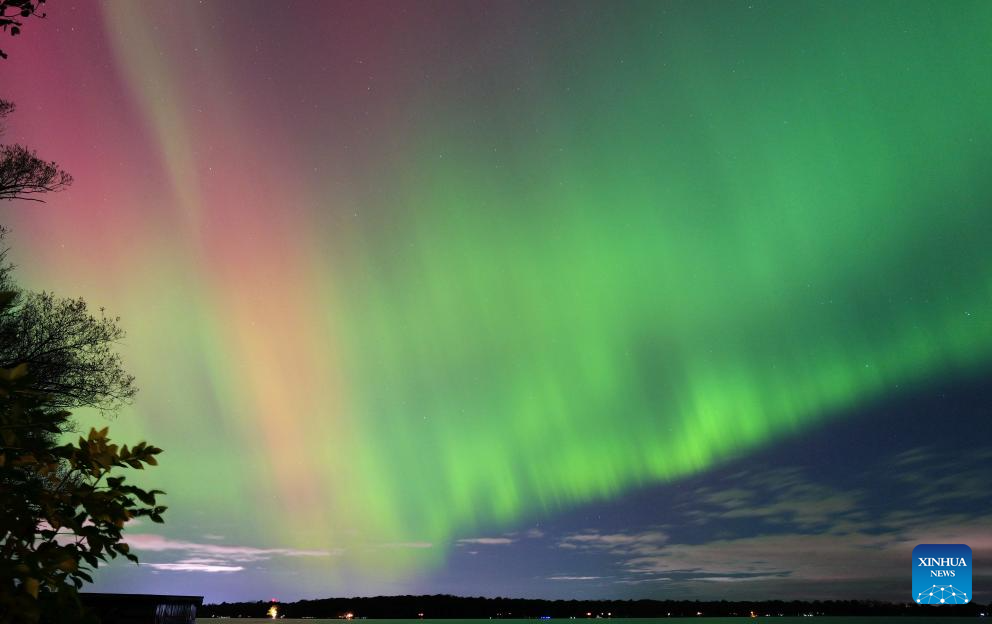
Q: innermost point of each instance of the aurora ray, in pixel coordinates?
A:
(442, 282)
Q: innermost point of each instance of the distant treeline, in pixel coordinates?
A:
(443, 606)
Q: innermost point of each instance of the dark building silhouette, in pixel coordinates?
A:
(142, 608)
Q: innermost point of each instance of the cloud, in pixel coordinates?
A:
(157, 543)
(574, 578)
(487, 541)
(180, 566)
(862, 563)
(777, 534)
(912, 456)
(502, 540)
(934, 480)
(731, 498)
(642, 580)
(779, 496)
(737, 579)
(214, 558)
(778, 562)
(642, 543)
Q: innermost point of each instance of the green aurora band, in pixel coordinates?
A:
(696, 229)
(700, 243)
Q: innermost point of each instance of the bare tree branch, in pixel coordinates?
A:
(22, 174)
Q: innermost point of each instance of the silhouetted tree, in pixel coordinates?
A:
(22, 174)
(13, 12)
(68, 349)
(63, 507)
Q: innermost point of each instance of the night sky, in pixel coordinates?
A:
(556, 299)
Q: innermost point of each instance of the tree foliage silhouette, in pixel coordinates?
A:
(69, 351)
(63, 506)
(14, 12)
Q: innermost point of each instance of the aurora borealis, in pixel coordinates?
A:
(397, 276)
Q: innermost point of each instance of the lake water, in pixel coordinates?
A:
(936, 619)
